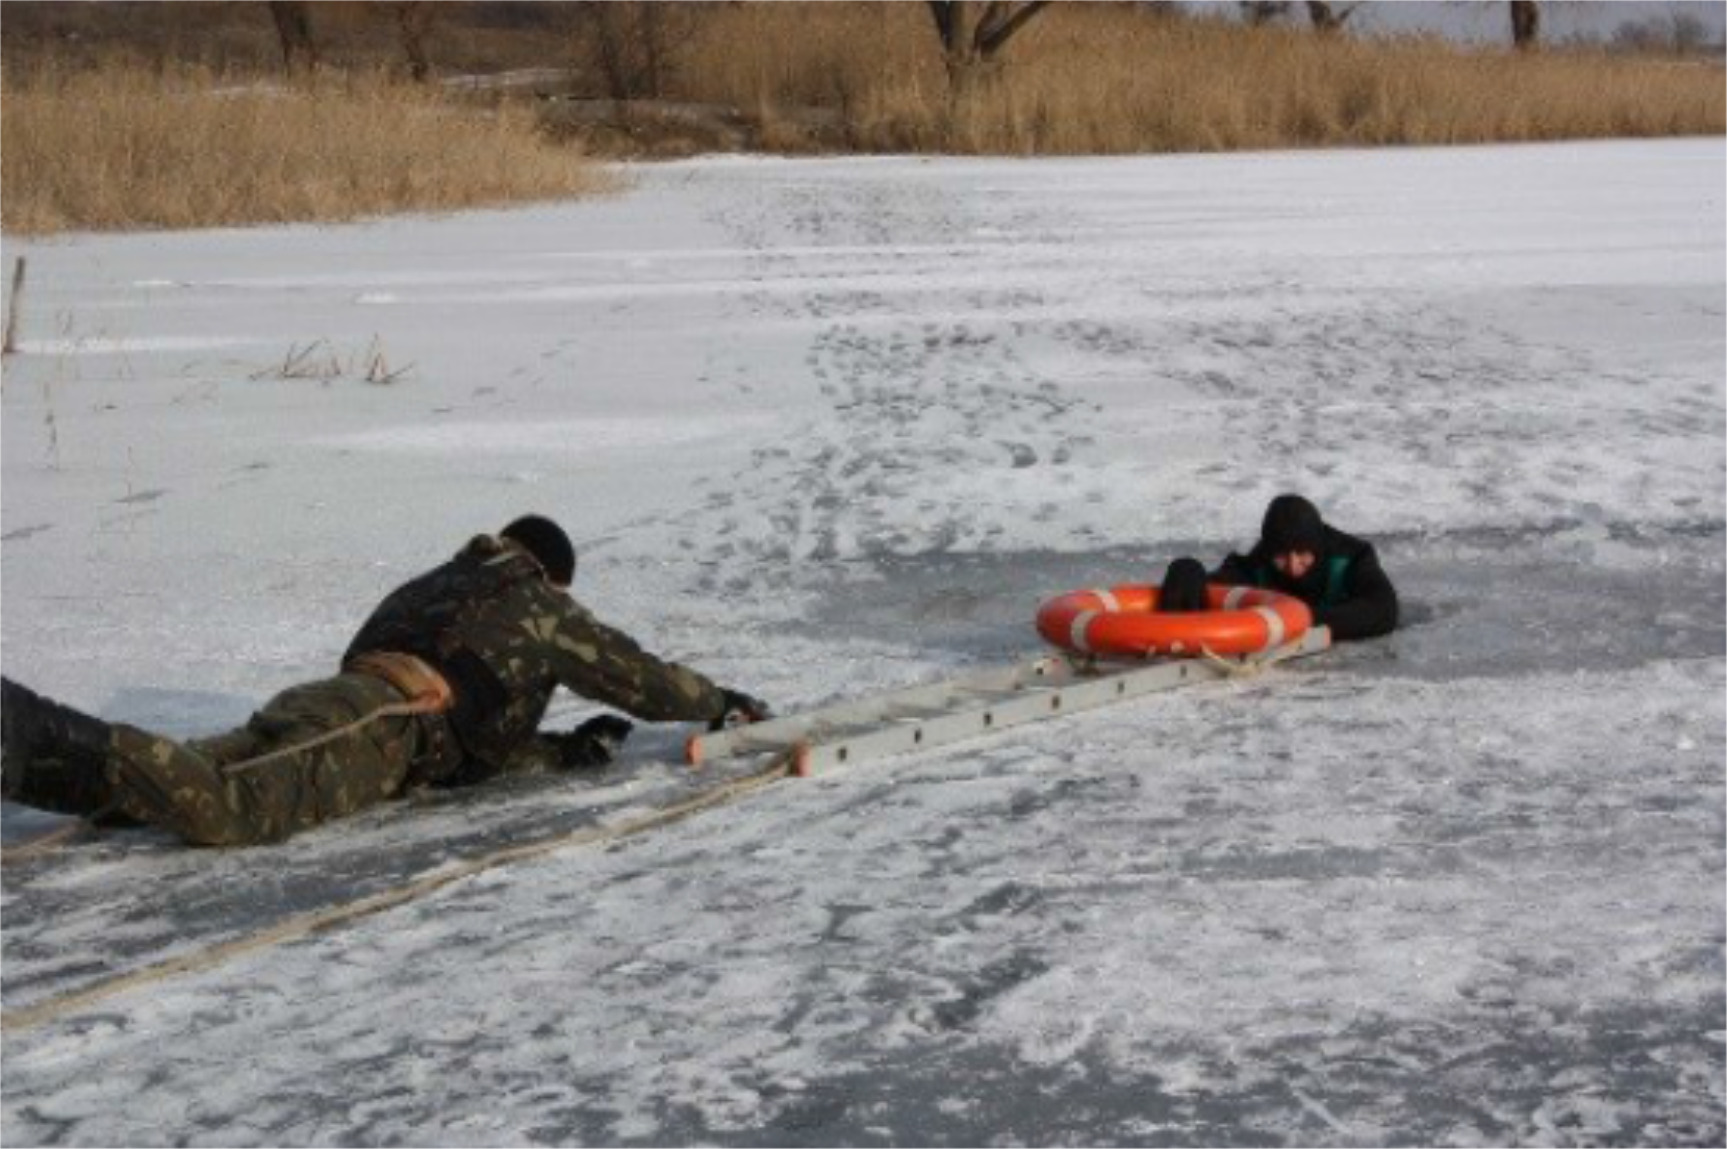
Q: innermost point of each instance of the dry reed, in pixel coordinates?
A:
(1110, 78)
(126, 145)
(130, 147)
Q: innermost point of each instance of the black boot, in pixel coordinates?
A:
(51, 756)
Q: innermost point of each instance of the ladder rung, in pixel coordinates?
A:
(915, 713)
(749, 743)
(991, 692)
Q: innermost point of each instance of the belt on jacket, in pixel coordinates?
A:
(418, 681)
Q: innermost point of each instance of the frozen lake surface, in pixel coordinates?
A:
(822, 427)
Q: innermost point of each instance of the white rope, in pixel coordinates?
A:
(66, 835)
(47, 843)
(321, 920)
(1249, 667)
(388, 710)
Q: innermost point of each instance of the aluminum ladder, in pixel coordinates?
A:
(917, 718)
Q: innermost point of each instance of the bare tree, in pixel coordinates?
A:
(972, 35)
(1636, 36)
(1525, 25)
(633, 44)
(1328, 19)
(1680, 33)
(1686, 32)
(294, 29)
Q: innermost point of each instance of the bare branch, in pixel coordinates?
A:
(942, 12)
(999, 24)
(1328, 18)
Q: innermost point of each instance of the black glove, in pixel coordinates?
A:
(1183, 587)
(740, 710)
(592, 744)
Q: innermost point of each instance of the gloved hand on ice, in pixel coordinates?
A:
(593, 744)
(740, 710)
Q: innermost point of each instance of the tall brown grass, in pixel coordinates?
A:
(1111, 78)
(112, 144)
(134, 147)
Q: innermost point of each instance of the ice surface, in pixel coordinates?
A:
(822, 427)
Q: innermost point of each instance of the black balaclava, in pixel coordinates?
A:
(548, 543)
(1293, 524)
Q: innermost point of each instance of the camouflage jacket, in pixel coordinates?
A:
(506, 639)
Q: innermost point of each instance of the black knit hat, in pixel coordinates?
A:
(548, 543)
(1292, 524)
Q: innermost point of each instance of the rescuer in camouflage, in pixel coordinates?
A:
(446, 684)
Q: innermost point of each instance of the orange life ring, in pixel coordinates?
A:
(1123, 622)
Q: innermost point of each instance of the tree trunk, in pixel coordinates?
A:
(953, 21)
(1525, 25)
(971, 40)
(652, 31)
(413, 21)
(294, 29)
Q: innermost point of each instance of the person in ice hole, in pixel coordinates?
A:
(445, 684)
(1337, 575)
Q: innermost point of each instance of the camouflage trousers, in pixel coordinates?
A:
(205, 791)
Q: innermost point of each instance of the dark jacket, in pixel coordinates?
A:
(1346, 589)
(506, 639)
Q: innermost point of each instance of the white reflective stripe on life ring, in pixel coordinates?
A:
(1108, 599)
(1076, 632)
(1232, 600)
(1273, 626)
